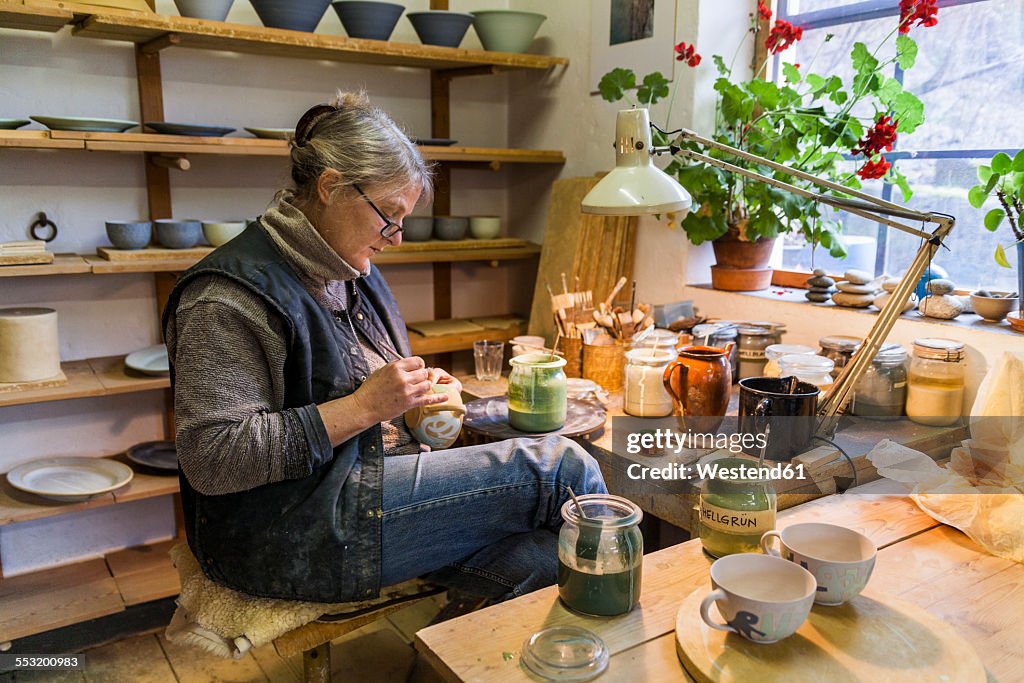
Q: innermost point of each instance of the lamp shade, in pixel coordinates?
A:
(636, 186)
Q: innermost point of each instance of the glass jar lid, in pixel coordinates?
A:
(936, 348)
(718, 330)
(809, 364)
(755, 330)
(538, 360)
(891, 354)
(840, 342)
(650, 356)
(565, 653)
(777, 351)
(602, 510)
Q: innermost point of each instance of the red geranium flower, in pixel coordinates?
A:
(782, 35)
(687, 53)
(921, 11)
(763, 10)
(879, 137)
(872, 170)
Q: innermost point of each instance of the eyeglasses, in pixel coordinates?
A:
(390, 228)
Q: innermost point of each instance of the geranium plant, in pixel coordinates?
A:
(806, 122)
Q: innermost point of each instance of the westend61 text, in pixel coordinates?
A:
(676, 472)
(669, 440)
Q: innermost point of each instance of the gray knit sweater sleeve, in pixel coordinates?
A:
(233, 433)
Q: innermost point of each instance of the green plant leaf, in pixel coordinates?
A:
(977, 196)
(901, 182)
(906, 50)
(908, 110)
(1001, 257)
(1001, 163)
(993, 180)
(1014, 183)
(766, 92)
(984, 173)
(614, 84)
(993, 219)
(1018, 161)
(863, 61)
(654, 87)
(791, 73)
(890, 90)
(720, 65)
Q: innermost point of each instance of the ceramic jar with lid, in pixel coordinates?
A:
(840, 348)
(752, 342)
(810, 368)
(644, 393)
(882, 390)
(935, 384)
(776, 351)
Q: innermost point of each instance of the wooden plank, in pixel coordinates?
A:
(49, 599)
(17, 15)
(442, 291)
(101, 266)
(148, 585)
(36, 139)
(19, 506)
(37, 259)
(395, 256)
(139, 659)
(58, 380)
(444, 247)
(144, 485)
(277, 668)
(153, 254)
(63, 264)
(459, 342)
(82, 383)
(215, 35)
(140, 558)
(116, 379)
(190, 664)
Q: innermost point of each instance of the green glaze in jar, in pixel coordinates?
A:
(536, 392)
(734, 513)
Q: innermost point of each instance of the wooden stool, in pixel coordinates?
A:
(314, 639)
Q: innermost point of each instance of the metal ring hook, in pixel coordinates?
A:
(43, 222)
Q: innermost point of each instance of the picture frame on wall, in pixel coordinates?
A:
(632, 34)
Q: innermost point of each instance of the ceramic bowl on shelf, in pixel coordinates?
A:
(417, 228)
(505, 30)
(993, 306)
(293, 15)
(214, 10)
(484, 227)
(13, 124)
(129, 234)
(1016, 320)
(450, 228)
(365, 19)
(177, 234)
(440, 27)
(222, 232)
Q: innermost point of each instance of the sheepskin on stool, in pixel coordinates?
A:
(228, 623)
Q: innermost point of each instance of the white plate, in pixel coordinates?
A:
(70, 479)
(151, 360)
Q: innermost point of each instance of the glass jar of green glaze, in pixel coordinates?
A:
(536, 392)
(600, 555)
(736, 508)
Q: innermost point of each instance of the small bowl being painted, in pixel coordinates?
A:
(129, 234)
(178, 234)
(417, 228)
(222, 232)
(450, 228)
(993, 308)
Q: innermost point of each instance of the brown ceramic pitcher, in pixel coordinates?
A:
(699, 380)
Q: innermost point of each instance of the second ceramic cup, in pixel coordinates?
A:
(177, 234)
(484, 227)
(762, 598)
(450, 227)
(840, 559)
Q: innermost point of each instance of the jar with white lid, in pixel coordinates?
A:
(776, 351)
(840, 348)
(881, 392)
(935, 384)
(644, 393)
(813, 369)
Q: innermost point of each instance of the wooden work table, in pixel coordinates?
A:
(930, 565)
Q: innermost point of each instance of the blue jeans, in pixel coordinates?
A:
(482, 519)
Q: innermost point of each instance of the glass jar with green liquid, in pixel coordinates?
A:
(536, 392)
(735, 512)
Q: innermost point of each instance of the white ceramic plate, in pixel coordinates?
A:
(151, 360)
(70, 479)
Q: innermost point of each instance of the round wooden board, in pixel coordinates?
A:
(874, 637)
(489, 417)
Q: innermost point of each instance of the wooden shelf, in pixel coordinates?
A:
(157, 32)
(63, 264)
(423, 346)
(438, 251)
(49, 599)
(17, 15)
(88, 378)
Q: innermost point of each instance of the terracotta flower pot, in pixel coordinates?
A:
(741, 265)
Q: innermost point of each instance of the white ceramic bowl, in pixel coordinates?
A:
(484, 227)
(222, 232)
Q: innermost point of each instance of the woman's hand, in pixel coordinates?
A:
(439, 376)
(396, 388)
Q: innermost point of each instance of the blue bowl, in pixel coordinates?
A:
(175, 234)
(417, 228)
(129, 234)
(294, 15)
(440, 27)
(365, 19)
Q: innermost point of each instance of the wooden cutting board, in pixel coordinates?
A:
(875, 637)
(152, 253)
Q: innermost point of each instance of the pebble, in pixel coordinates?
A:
(890, 284)
(818, 297)
(853, 300)
(942, 307)
(941, 286)
(851, 288)
(858, 277)
(820, 282)
(882, 299)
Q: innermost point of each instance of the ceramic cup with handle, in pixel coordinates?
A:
(840, 559)
(762, 598)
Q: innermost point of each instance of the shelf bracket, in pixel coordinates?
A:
(162, 43)
(450, 74)
(177, 162)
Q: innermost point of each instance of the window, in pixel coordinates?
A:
(969, 77)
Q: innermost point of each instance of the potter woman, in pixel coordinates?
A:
(291, 372)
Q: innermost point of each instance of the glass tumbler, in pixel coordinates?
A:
(487, 357)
